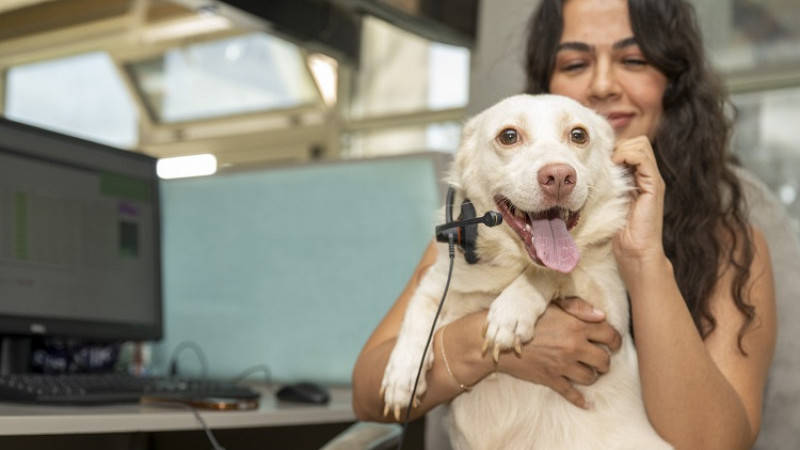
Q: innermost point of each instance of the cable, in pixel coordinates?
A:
(451, 243)
(251, 370)
(214, 444)
(173, 364)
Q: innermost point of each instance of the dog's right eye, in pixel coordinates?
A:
(509, 136)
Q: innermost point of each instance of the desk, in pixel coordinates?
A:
(144, 426)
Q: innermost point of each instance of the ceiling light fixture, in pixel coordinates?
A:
(186, 166)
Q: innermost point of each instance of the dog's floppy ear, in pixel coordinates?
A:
(464, 147)
(469, 128)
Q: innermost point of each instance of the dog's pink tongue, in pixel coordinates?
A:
(554, 245)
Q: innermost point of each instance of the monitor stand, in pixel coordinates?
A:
(15, 354)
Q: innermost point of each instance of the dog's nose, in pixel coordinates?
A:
(557, 180)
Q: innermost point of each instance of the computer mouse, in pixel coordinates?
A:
(303, 392)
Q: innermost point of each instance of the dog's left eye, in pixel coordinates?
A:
(579, 135)
(508, 136)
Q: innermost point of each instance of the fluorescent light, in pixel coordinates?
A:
(187, 166)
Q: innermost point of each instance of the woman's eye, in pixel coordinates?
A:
(573, 67)
(509, 136)
(579, 136)
(635, 62)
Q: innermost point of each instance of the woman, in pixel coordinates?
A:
(698, 275)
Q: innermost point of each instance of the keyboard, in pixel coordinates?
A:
(84, 389)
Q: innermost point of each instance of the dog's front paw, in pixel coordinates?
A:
(399, 378)
(510, 324)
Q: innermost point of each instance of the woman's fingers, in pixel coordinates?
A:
(584, 375)
(596, 329)
(567, 390)
(637, 153)
(597, 358)
(606, 336)
(581, 309)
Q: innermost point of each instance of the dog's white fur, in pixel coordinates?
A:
(502, 412)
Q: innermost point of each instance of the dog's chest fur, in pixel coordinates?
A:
(502, 412)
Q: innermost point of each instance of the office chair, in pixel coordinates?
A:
(366, 436)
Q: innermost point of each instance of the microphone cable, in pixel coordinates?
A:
(209, 434)
(451, 249)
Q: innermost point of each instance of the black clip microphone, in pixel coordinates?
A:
(464, 232)
(490, 219)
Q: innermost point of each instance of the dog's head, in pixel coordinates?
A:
(544, 162)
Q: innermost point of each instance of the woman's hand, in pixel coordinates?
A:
(572, 345)
(642, 236)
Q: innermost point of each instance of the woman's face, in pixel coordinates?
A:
(599, 64)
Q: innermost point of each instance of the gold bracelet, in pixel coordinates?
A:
(461, 385)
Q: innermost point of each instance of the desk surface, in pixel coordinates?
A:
(23, 419)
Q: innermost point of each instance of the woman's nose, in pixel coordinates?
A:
(604, 82)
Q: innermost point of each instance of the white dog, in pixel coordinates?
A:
(545, 163)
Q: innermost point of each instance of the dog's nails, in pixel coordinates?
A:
(517, 346)
(496, 353)
(386, 410)
(416, 403)
(484, 346)
(484, 329)
(397, 413)
(382, 391)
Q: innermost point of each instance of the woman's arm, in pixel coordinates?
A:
(567, 343)
(698, 394)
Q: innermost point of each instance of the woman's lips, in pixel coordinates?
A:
(619, 120)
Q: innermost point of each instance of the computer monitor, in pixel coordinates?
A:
(79, 238)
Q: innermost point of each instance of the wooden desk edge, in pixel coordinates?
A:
(24, 419)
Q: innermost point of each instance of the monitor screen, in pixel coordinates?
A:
(79, 238)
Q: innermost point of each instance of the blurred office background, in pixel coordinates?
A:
(289, 96)
(292, 81)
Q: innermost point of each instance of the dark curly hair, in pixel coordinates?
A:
(705, 220)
